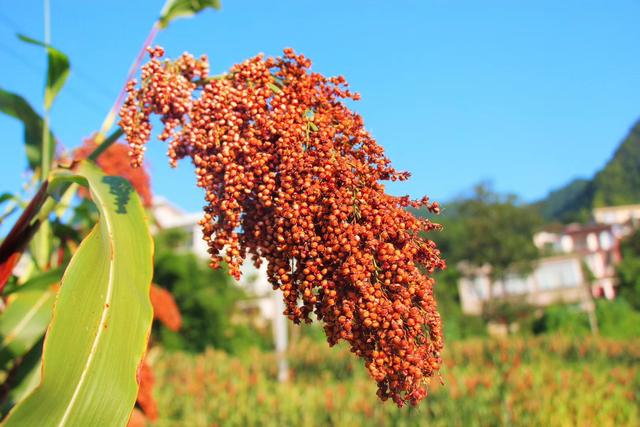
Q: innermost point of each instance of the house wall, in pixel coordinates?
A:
(553, 280)
(617, 215)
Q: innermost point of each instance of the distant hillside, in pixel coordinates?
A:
(618, 183)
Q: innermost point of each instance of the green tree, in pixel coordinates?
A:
(483, 228)
(494, 229)
(618, 183)
(628, 270)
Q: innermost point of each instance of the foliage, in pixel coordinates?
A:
(628, 271)
(16, 106)
(571, 203)
(207, 299)
(174, 9)
(618, 183)
(98, 333)
(24, 321)
(548, 381)
(569, 320)
(57, 70)
(97, 330)
(115, 161)
(616, 319)
(489, 228)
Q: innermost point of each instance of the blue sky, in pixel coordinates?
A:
(528, 95)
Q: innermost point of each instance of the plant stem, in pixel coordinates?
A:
(111, 116)
(42, 237)
(46, 141)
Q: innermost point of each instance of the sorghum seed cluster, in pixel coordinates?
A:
(293, 178)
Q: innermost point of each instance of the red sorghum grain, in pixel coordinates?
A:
(293, 178)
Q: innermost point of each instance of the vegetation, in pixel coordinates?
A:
(629, 270)
(292, 179)
(490, 229)
(207, 299)
(483, 229)
(618, 183)
(616, 319)
(550, 381)
(291, 176)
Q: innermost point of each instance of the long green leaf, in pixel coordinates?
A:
(40, 282)
(184, 8)
(57, 69)
(26, 318)
(101, 321)
(17, 107)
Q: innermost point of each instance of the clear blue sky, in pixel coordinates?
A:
(526, 94)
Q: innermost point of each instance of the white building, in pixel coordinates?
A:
(579, 258)
(596, 245)
(558, 279)
(623, 219)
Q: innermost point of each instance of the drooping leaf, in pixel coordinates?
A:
(57, 69)
(26, 318)
(17, 107)
(174, 9)
(101, 319)
(5, 197)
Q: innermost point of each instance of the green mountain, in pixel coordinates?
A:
(618, 183)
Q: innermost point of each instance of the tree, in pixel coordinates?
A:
(628, 270)
(489, 228)
(618, 183)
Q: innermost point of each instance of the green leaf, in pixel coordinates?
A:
(184, 8)
(26, 318)
(102, 317)
(40, 282)
(5, 197)
(17, 107)
(57, 69)
(40, 245)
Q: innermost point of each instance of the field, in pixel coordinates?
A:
(548, 381)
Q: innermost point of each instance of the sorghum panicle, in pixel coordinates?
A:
(292, 177)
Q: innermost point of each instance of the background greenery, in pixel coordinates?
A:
(549, 381)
